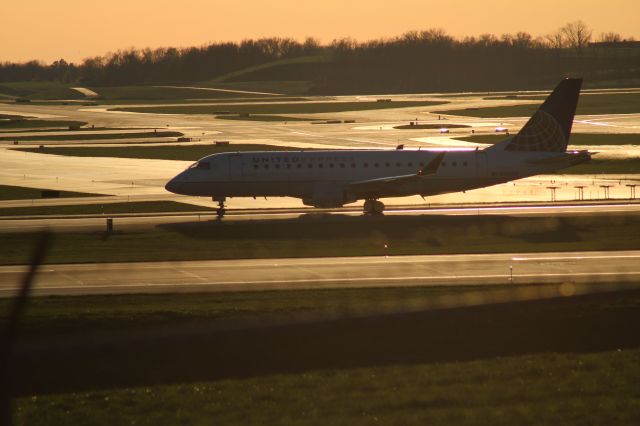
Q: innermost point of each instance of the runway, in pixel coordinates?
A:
(151, 220)
(601, 268)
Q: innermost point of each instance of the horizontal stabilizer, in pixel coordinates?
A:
(565, 159)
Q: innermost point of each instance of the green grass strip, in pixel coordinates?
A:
(334, 236)
(8, 192)
(106, 208)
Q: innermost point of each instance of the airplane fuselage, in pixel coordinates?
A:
(326, 178)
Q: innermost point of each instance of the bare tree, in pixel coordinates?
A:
(577, 34)
(555, 40)
(610, 37)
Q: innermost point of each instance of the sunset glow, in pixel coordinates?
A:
(74, 29)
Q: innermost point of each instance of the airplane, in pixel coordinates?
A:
(333, 178)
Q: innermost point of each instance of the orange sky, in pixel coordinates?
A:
(75, 29)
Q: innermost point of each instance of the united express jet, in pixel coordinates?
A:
(334, 178)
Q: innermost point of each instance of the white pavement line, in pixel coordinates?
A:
(72, 278)
(191, 275)
(587, 257)
(361, 279)
(312, 272)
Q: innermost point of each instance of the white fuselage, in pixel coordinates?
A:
(327, 178)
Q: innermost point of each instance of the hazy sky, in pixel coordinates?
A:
(75, 29)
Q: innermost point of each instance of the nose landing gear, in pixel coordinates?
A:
(373, 207)
(220, 211)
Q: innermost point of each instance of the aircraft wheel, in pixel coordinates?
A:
(378, 207)
(368, 206)
(220, 213)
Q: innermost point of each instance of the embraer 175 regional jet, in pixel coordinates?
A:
(334, 178)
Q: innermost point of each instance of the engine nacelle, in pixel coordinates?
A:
(329, 197)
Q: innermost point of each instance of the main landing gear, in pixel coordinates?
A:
(220, 211)
(373, 207)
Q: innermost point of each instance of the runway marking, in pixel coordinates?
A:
(191, 274)
(576, 257)
(339, 280)
(72, 278)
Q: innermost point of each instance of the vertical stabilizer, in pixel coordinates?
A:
(549, 128)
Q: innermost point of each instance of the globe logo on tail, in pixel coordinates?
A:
(541, 133)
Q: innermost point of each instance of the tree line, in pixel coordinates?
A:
(415, 61)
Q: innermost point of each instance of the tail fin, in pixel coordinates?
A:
(549, 128)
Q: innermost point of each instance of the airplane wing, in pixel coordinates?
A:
(386, 183)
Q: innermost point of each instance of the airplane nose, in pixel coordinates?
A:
(173, 186)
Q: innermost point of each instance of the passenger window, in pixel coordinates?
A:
(277, 166)
(353, 165)
(299, 166)
(455, 163)
(397, 164)
(376, 165)
(410, 164)
(310, 165)
(387, 164)
(321, 165)
(464, 164)
(366, 164)
(266, 166)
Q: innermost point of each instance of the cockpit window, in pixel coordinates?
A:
(203, 165)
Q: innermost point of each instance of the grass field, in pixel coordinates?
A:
(8, 192)
(37, 124)
(284, 87)
(310, 236)
(279, 108)
(197, 359)
(105, 208)
(279, 63)
(168, 152)
(621, 103)
(43, 90)
(155, 93)
(92, 136)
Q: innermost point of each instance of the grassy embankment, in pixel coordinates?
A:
(278, 108)
(168, 359)
(620, 103)
(8, 192)
(334, 236)
(167, 152)
(39, 90)
(195, 93)
(91, 136)
(10, 122)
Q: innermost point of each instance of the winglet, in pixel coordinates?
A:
(433, 165)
